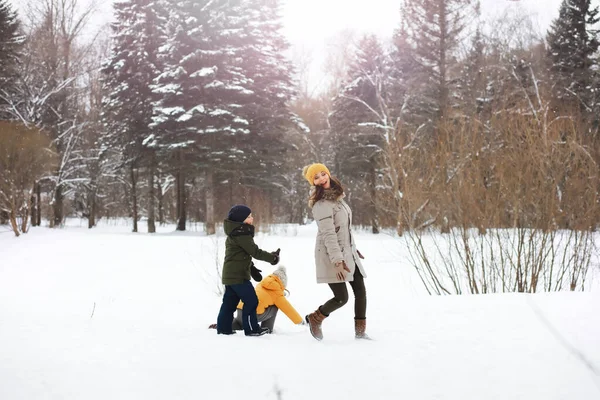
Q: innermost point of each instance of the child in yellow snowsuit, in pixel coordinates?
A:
(271, 298)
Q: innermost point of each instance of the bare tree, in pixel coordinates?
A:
(92, 176)
(528, 183)
(25, 158)
(51, 89)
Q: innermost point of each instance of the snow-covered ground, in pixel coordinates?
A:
(108, 314)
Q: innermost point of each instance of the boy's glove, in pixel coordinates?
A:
(276, 254)
(255, 273)
(340, 270)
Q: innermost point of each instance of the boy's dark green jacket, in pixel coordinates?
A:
(239, 251)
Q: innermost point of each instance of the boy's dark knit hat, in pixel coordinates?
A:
(239, 213)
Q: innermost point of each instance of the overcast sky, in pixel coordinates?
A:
(309, 23)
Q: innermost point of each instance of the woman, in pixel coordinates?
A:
(271, 298)
(336, 257)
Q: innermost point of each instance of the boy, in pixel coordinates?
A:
(239, 251)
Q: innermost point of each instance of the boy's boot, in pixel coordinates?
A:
(314, 321)
(260, 332)
(360, 328)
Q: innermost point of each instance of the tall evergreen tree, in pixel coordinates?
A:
(138, 32)
(595, 93)
(267, 67)
(362, 121)
(572, 41)
(226, 73)
(201, 93)
(435, 29)
(474, 90)
(10, 46)
(225, 89)
(271, 121)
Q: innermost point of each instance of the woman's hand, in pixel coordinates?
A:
(340, 270)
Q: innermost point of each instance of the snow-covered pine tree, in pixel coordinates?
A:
(271, 121)
(225, 90)
(255, 47)
(10, 47)
(595, 95)
(201, 91)
(198, 88)
(572, 42)
(403, 76)
(267, 67)
(362, 122)
(435, 29)
(138, 32)
(473, 89)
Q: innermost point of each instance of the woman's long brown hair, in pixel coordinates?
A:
(319, 191)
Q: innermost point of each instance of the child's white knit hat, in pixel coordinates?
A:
(281, 273)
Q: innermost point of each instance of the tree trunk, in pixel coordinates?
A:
(443, 63)
(13, 218)
(161, 216)
(58, 206)
(374, 208)
(134, 198)
(397, 187)
(34, 206)
(151, 198)
(399, 222)
(38, 195)
(25, 216)
(177, 194)
(92, 216)
(210, 203)
(299, 206)
(181, 200)
(13, 224)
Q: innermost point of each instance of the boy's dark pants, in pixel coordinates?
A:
(233, 294)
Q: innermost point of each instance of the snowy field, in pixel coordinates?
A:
(108, 314)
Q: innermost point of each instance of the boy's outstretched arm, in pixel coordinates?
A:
(247, 243)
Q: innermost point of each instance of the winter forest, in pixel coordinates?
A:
(485, 130)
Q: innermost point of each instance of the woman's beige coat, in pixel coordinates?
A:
(334, 239)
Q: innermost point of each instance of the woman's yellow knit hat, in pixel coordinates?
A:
(310, 171)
